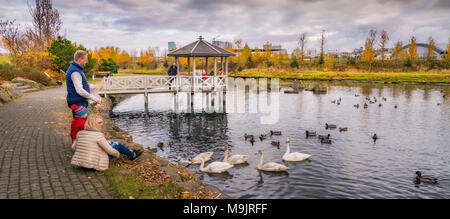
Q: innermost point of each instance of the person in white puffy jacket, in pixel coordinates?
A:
(93, 151)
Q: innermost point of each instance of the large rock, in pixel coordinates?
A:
(297, 85)
(28, 82)
(11, 89)
(319, 88)
(4, 96)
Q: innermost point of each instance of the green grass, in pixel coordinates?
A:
(143, 71)
(421, 77)
(126, 183)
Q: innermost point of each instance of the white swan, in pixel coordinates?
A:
(234, 159)
(206, 156)
(294, 156)
(271, 166)
(215, 167)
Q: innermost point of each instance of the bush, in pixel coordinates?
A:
(294, 63)
(108, 65)
(6, 72)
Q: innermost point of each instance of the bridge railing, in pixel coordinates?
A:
(160, 83)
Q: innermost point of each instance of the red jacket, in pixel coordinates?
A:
(77, 125)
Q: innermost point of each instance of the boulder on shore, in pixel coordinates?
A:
(318, 88)
(31, 83)
(4, 96)
(297, 85)
(11, 89)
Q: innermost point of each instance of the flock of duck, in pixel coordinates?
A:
(237, 159)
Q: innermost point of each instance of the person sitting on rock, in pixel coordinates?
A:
(93, 151)
(78, 121)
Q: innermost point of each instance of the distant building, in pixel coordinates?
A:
(273, 49)
(171, 46)
(221, 44)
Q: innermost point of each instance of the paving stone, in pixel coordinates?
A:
(40, 156)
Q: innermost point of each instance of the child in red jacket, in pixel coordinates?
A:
(78, 121)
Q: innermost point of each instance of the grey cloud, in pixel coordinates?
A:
(256, 21)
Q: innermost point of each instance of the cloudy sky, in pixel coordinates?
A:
(138, 24)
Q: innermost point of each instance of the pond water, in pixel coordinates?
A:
(414, 136)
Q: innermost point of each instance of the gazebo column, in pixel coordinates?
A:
(221, 62)
(226, 66)
(215, 66)
(206, 65)
(189, 65)
(191, 94)
(225, 85)
(215, 72)
(178, 65)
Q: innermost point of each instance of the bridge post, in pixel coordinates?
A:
(145, 95)
(106, 87)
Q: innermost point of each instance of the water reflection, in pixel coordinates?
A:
(412, 137)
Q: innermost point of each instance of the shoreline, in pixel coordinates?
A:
(173, 170)
(352, 81)
(407, 78)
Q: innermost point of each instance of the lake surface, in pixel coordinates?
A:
(414, 136)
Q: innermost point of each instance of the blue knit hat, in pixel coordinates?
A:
(79, 110)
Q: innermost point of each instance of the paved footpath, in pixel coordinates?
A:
(35, 152)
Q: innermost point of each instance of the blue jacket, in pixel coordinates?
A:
(72, 95)
(172, 71)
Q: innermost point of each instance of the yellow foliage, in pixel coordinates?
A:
(120, 57)
(398, 52)
(36, 60)
(446, 55)
(329, 62)
(146, 57)
(368, 55)
(412, 50)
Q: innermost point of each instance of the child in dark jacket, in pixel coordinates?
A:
(78, 121)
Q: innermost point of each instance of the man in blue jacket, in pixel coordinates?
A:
(78, 89)
(172, 72)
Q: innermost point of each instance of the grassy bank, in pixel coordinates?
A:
(418, 77)
(143, 71)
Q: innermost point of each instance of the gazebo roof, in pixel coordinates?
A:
(200, 48)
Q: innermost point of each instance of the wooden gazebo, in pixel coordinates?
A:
(202, 48)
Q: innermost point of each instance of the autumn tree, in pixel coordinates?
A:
(302, 42)
(294, 62)
(245, 58)
(267, 55)
(238, 43)
(369, 54)
(147, 58)
(322, 45)
(412, 49)
(446, 55)
(384, 38)
(46, 24)
(12, 39)
(398, 52)
(430, 50)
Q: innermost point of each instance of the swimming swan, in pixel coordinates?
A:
(294, 156)
(206, 156)
(234, 159)
(271, 166)
(215, 167)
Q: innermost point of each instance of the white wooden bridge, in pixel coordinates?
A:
(161, 84)
(212, 87)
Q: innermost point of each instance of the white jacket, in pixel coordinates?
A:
(91, 150)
